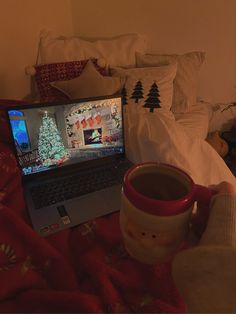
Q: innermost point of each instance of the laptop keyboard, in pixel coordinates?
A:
(87, 181)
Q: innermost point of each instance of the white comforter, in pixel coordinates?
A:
(160, 137)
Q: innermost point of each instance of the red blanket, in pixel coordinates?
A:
(84, 269)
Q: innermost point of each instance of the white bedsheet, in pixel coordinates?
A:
(159, 137)
(196, 120)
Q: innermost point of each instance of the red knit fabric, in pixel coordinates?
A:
(48, 73)
(84, 269)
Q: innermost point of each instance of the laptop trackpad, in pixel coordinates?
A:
(94, 205)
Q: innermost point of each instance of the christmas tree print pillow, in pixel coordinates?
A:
(186, 81)
(148, 89)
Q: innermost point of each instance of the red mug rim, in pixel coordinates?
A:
(154, 206)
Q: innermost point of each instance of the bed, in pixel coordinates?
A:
(86, 269)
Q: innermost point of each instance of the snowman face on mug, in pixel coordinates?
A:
(149, 238)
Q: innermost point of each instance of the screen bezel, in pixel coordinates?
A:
(71, 167)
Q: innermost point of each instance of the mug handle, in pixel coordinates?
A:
(203, 197)
(203, 194)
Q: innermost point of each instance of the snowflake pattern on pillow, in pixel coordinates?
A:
(62, 71)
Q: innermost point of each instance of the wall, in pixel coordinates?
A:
(173, 26)
(20, 24)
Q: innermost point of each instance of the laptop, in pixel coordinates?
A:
(72, 160)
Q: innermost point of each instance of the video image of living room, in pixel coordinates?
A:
(48, 137)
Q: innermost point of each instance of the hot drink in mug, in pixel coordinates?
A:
(156, 206)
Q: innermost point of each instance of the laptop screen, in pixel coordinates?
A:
(48, 137)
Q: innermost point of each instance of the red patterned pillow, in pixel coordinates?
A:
(47, 73)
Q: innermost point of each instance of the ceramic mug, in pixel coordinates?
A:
(156, 205)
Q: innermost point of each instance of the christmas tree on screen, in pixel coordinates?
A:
(50, 146)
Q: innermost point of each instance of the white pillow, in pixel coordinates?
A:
(186, 81)
(148, 87)
(118, 51)
(89, 84)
